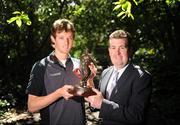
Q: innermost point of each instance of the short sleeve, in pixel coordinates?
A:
(36, 80)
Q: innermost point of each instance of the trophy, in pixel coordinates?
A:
(84, 73)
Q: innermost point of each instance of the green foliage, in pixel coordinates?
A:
(19, 18)
(143, 57)
(124, 6)
(144, 52)
(155, 33)
(3, 105)
(79, 9)
(171, 2)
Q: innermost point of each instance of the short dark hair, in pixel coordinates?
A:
(119, 34)
(61, 25)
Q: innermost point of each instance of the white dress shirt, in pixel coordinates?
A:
(113, 80)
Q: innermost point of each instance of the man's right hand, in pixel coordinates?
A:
(36, 103)
(65, 91)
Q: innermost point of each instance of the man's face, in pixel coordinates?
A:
(63, 42)
(118, 52)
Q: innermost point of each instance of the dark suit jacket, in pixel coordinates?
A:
(129, 99)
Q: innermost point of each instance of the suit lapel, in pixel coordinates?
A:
(105, 80)
(122, 80)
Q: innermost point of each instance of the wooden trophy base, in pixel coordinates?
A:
(83, 91)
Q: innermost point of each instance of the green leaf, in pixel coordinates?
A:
(121, 13)
(12, 19)
(167, 2)
(132, 17)
(128, 7)
(19, 18)
(116, 7)
(16, 12)
(116, 3)
(28, 23)
(19, 22)
(124, 6)
(140, 1)
(135, 2)
(123, 16)
(25, 17)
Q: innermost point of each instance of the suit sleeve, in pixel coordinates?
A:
(134, 111)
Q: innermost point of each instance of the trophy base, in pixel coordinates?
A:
(83, 91)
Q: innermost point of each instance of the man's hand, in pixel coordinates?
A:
(95, 100)
(65, 91)
(93, 69)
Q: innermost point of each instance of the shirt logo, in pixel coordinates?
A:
(56, 74)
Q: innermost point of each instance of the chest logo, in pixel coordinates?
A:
(55, 74)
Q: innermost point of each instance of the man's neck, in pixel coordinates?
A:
(120, 67)
(61, 56)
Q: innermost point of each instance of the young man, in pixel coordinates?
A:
(52, 78)
(125, 88)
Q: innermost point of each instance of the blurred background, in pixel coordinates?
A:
(154, 26)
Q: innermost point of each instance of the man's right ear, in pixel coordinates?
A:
(52, 41)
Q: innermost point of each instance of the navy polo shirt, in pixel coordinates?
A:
(48, 75)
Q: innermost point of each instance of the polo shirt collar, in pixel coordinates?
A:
(54, 59)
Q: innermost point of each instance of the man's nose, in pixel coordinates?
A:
(67, 40)
(118, 50)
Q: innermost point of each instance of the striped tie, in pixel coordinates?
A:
(112, 84)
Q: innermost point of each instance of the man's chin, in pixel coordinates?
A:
(119, 65)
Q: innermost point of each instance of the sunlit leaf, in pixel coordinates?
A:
(116, 3)
(24, 17)
(121, 13)
(135, 2)
(123, 16)
(12, 20)
(128, 7)
(19, 22)
(117, 7)
(28, 23)
(140, 1)
(132, 17)
(16, 12)
(124, 6)
(19, 18)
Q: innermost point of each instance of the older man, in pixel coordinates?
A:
(124, 87)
